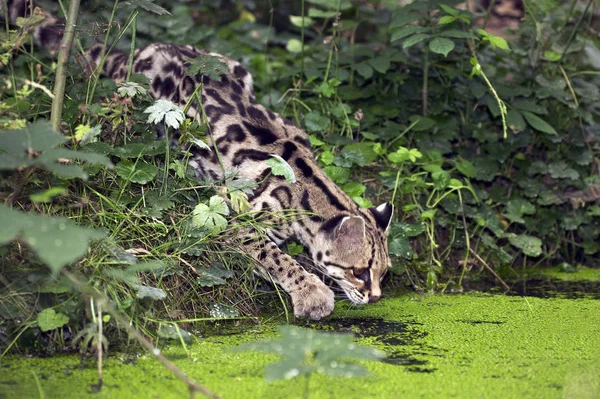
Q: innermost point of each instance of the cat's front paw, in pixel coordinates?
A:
(313, 300)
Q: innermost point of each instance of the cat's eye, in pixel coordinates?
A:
(364, 275)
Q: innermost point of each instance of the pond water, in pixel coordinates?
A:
(469, 346)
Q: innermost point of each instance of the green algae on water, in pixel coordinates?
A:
(467, 346)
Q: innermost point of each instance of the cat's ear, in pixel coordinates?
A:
(383, 215)
(350, 233)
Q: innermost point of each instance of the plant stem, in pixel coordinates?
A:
(488, 13)
(99, 346)
(192, 385)
(574, 31)
(425, 80)
(61, 67)
(132, 50)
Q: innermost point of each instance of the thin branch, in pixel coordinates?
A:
(61, 66)
(101, 299)
(484, 263)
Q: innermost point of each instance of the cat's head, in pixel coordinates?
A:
(353, 251)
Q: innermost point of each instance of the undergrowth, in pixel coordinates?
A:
(488, 148)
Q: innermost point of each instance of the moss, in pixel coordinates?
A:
(446, 346)
(582, 274)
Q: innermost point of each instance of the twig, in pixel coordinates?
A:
(192, 385)
(61, 66)
(484, 263)
(99, 347)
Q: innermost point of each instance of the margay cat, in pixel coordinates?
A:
(347, 243)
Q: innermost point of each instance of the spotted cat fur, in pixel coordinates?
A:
(347, 243)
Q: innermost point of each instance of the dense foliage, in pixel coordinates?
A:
(489, 149)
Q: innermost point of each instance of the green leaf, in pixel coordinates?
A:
(407, 31)
(458, 34)
(421, 123)
(223, 311)
(211, 216)
(428, 214)
(354, 189)
(208, 65)
(300, 22)
(149, 5)
(306, 351)
(49, 320)
(214, 275)
(48, 195)
(531, 246)
(551, 55)
(441, 45)
(362, 202)
(37, 137)
(315, 122)
(136, 150)
(403, 154)
(338, 174)
(495, 41)
(155, 294)
(293, 248)
(418, 38)
(441, 179)
(341, 5)
(327, 157)
(279, 167)
(400, 246)
(466, 168)
(451, 11)
(316, 13)
(18, 146)
(560, 170)
(328, 88)
(56, 241)
(380, 64)
(529, 105)
(538, 123)
(139, 172)
(403, 19)
(294, 46)
(174, 332)
(516, 208)
(446, 19)
(514, 120)
(364, 69)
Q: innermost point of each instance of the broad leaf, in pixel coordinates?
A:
(222, 311)
(315, 122)
(538, 123)
(56, 241)
(301, 22)
(279, 167)
(212, 216)
(155, 294)
(531, 246)
(174, 332)
(307, 351)
(148, 5)
(139, 172)
(49, 320)
(441, 45)
(214, 275)
(164, 110)
(208, 65)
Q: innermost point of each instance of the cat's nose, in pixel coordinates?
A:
(373, 298)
